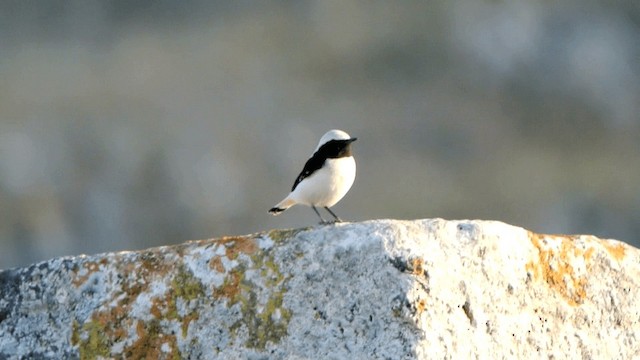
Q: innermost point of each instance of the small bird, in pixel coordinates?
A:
(326, 177)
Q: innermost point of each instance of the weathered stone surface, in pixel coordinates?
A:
(377, 289)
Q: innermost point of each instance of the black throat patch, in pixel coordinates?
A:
(332, 149)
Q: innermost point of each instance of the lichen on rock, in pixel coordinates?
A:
(262, 320)
(377, 289)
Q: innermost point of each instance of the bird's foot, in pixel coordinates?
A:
(330, 222)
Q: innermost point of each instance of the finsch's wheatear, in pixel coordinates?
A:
(326, 177)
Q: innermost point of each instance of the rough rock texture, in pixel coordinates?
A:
(377, 289)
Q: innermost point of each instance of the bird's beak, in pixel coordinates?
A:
(352, 140)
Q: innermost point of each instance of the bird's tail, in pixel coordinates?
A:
(282, 206)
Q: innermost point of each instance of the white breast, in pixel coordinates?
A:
(328, 185)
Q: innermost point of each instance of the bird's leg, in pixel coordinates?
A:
(322, 221)
(337, 219)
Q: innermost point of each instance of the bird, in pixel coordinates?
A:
(326, 177)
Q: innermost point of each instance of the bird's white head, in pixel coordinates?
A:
(332, 135)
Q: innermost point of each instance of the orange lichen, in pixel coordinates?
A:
(114, 323)
(150, 341)
(156, 308)
(615, 250)
(421, 305)
(418, 266)
(216, 264)
(230, 288)
(588, 254)
(236, 245)
(166, 308)
(186, 320)
(153, 262)
(233, 246)
(554, 266)
(100, 332)
(111, 325)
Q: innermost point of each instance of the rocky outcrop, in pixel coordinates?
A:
(378, 289)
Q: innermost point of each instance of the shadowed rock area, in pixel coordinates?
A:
(384, 289)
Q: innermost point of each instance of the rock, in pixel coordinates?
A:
(379, 289)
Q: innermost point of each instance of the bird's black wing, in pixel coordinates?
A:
(313, 164)
(329, 150)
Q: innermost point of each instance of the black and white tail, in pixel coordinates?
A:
(282, 206)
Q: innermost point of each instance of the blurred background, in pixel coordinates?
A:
(131, 124)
